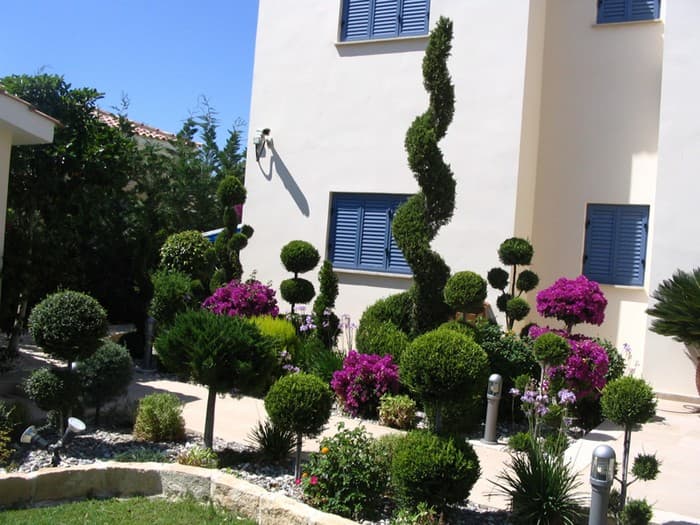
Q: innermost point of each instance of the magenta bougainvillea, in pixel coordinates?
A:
(245, 299)
(585, 369)
(573, 301)
(363, 380)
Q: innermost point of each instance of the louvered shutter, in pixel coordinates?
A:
(643, 9)
(600, 239)
(610, 11)
(375, 223)
(356, 19)
(385, 19)
(414, 17)
(345, 231)
(396, 263)
(631, 244)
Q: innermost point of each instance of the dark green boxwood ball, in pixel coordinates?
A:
(460, 327)
(628, 401)
(299, 256)
(515, 251)
(433, 469)
(517, 308)
(498, 278)
(527, 280)
(52, 389)
(106, 373)
(231, 192)
(68, 325)
(550, 349)
(188, 252)
(381, 339)
(397, 308)
(297, 291)
(247, 230)
(238, 242)
(465, 292)
(300, 403)
(502, 302)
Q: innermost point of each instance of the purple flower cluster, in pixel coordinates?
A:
(245, 299)
(573, 301)
(585, 369)
(363, 380)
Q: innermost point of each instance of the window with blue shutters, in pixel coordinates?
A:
(616, 243)
(374, 19)
(611, 11)
(360, 233)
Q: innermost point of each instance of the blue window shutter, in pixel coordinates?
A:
(643, 9)
(600, 239)
(396, 263)
(345, 231)
(631, 245)
(356, 19)
(385, 22)
(375, 224)
(610, 11)
(414, 17)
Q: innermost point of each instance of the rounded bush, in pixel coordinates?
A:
(106, 374)
(231, 192)
(502, 301)
(517, 308)
(465, 292)
(510, 357)
(397, 308)
(551, 349)
(237, 242)
(299, 402)
(247, 230)
(381, 339)
(297, 290)
(299, 256)
(68, 325)
(279, 330)
(515, 251)
(172, 294)
(52, 389)
(444, 366)
(527, 280)
(397, 411)
(434, 470)
(628, 401)
(190, 253)
(498, 278)
(460, 327)
(159, 418)
(636, 512)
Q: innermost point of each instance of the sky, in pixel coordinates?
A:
(163, 55)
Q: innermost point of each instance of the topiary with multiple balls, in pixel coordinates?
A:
(298, 257)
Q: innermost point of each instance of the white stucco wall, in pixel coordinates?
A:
(338, 114)
(676, 225)
(597, 144)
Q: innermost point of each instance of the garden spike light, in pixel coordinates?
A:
(493, 397)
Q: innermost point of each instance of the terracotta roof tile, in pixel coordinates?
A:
(141, 129)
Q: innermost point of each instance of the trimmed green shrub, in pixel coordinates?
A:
(616, 362)
(444, 367)
(326, 321)
(190, 253)
(346, 477)
(281, 331)
(636, 512)
(381, 339)
(397, 411)
(313, 357)
(527, 281)
(299, 257)
(498, 278)
(105, 375)
(550, 349)
(172, 294)
(230, 240)
(511, 356)
(272, 442)
(397, 309)
(220, 352)
(53, 389)
(515, 251)
(465, 292)
(159, 418)
(517, 308)
(68, 325)
(198, 457)
(231, 191)
(297, 290)
(520, 441)
(462, 327)
(300, 403)
(433, 470)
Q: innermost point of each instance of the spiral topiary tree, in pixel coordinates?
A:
(418, 220)
(229, 243)
(298, 257)
(513, 252)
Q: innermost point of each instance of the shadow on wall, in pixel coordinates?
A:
(379, 281)
(276, 164)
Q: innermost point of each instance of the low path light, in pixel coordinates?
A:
(493, 397)
(602, 475)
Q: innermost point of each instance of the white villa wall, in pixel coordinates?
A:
(597, 144)
(338, 114)
(676, 224)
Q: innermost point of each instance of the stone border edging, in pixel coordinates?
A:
(113, 479)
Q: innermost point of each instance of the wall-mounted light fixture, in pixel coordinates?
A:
(260, 139)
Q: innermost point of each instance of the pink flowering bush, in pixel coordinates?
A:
(363, 380)
(585, 370)
(246, 299)
(573, 301)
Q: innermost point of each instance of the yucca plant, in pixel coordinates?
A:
(677, 313)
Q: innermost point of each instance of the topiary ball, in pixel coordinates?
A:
(106, 373)
(460, 327)
(381, 339)
(502, 301)
(551, 349)
(237, 242)
(297, 290)
(515, 251)
(52, 389)
(68, 325)
(628, 401)
(527, 280)
(397, 309)
(465, 292)
(188, 252)
(517, 308)
(300, 403)
(231, 192)
(432, 469)
(299, 256)
(498, 278)
(247, 230)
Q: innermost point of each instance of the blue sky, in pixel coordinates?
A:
(164, 55)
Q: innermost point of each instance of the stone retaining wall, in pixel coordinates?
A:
(112, 479)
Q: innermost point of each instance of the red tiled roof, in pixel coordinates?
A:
(140, 129)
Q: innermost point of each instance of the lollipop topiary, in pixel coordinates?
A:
(298, 257)
(573, 301)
